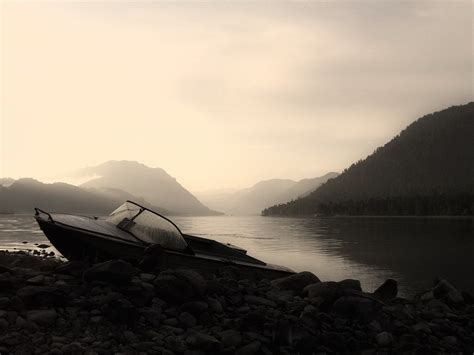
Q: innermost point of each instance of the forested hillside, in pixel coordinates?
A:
(427, 169)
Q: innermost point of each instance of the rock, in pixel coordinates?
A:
(361, 308)
(450, 340)
(387, 291)
(173, 289)
(176, 344)
(194, 307)
(249, 349)
(427, 296)
(36, 280)
(194, 278)
(201, 340)
(147, 277)
(3, 323)
(329, 291)
(446, 291)
(172, 321)
(42, 316)
(384, 339)
(296, 282)
(42, 296)
(230, 338)
(114, 271)
(20, 322)
(4, 302)
(422, 327)
(74, 268)
(350, 284)
(280, 296)
(214, 305)
(7, 281)
(187, 320)
(259, 301)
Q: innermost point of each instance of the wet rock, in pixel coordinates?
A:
(296, 282)
(42, 316)
(42, 296)
(387, 291)
(114, 271)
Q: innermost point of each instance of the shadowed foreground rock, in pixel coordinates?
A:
(47, 307)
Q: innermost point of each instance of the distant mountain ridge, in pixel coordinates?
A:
(25, 194)
(154, 185)
(431, 162)
(252, 200)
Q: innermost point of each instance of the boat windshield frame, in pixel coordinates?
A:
(140, 211)
(143, 208)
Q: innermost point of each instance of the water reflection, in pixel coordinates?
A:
(411, 250)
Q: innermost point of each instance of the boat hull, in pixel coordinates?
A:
(78, 244)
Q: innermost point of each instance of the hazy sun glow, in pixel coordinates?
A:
(222, 94)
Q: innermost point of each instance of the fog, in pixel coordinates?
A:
(222, 94)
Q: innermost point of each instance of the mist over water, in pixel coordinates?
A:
(412, 250)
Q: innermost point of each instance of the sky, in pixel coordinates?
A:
(222, 94)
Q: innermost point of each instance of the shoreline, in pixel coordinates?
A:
(49, 306)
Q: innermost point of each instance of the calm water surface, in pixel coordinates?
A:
(412, 250)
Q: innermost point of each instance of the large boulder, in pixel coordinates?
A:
(42, 296)
(296, 282)
(387, 291)
(113, 271)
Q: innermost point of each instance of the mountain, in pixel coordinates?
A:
(265, 193)
(427, 169)
(6, 181)
(26, 194)
(152, 184)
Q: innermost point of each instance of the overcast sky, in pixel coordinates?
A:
(223, 94)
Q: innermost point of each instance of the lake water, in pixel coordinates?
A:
(411, 250)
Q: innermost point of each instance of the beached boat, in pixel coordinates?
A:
(132, 231)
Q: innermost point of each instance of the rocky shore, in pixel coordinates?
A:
(48, 306)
